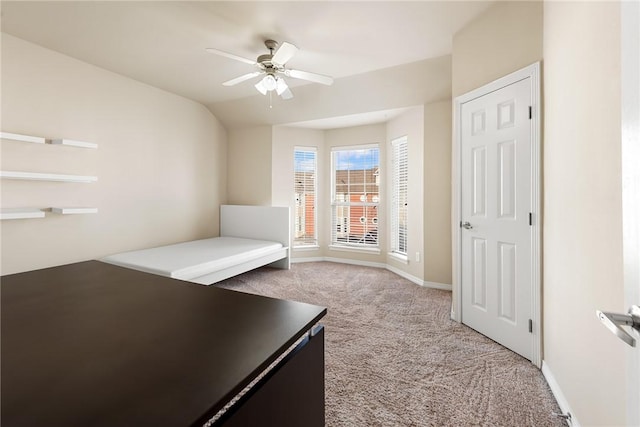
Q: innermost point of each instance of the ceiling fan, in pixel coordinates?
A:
(272, 66)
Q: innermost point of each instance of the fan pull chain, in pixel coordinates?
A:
(270, 99)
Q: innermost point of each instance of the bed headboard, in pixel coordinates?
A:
(256, 222)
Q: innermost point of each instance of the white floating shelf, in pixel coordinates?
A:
(73, 143)
(24, 138)
(74, 211)
(21, 213)
(37, 176)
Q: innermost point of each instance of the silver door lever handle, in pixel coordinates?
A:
(615, 321)
(467, 225)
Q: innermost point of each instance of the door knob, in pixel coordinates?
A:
(615, 321)
(467, 225)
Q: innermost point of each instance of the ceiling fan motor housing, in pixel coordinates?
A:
(265, 60)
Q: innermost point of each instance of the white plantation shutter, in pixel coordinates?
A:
(305, 170)
(399, 190)
(355, 195)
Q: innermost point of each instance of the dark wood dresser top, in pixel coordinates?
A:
(93, 344)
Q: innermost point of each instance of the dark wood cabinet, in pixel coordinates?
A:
(92, 344)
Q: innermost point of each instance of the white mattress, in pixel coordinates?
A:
(196, 258)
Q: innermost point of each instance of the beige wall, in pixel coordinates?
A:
(503, 39)
(249, 166)
(437, 192)
(160, 163)
(582, 220)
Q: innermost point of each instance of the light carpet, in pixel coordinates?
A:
(394, 357)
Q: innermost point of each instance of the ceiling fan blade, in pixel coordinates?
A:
(312, 77)
(241, 78)
(285, 52)
(230, 55)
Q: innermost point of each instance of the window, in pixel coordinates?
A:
(399, 187)
(355, 196)
(305, 177)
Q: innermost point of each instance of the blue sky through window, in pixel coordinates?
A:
(357, 159)
(369, 158)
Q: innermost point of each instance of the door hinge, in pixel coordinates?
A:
(530, 218)
(530, 326)
(530, 112)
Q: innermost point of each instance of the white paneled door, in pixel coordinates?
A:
(496, 212)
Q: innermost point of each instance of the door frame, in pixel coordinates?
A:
(630, 150)
(533, 72)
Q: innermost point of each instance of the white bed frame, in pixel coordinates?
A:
(253, 222)
(263, 223)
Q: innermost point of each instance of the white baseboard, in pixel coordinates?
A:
(418, 281)
(404, 274)
(436, 285)
(557, 393)
(307, 259)
(412, 278)
(355, 262)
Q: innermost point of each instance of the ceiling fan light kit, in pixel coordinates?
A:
(260, 86)
(281, 86)
(269, 82)
(272, 66)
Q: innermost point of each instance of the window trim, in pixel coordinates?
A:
(398, 257)
(333, 204)
(397, 146)
(311, 243)
(347, 248)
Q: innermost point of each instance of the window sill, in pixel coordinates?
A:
(306, 248)
(398, 257)
(354, 249)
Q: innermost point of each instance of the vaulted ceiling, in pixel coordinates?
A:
(162, 43)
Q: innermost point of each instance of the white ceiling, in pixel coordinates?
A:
(162, 43)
